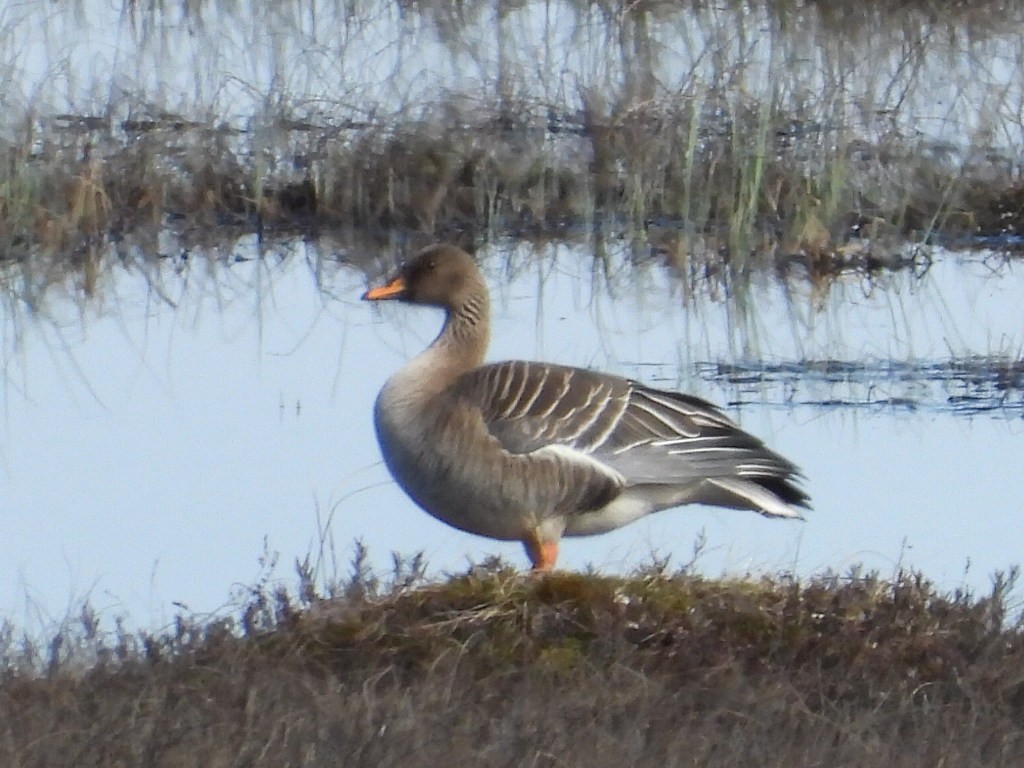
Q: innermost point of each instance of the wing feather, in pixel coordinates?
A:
(641, 435)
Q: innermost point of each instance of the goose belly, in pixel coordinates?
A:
(626, 508)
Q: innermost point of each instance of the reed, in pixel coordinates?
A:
(727, 124)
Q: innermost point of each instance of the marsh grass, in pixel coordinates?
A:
(750, 138)
(491, 667)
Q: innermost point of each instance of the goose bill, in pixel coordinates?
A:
(394, 289)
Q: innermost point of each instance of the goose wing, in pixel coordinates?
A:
(649, 437)
(551, 416)
(529, 406)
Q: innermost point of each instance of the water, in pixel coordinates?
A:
(191, 415)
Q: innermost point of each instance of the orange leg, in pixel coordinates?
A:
(542, 554)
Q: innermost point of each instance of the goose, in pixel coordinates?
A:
(531, 452)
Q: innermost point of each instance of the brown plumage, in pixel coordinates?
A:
(535, 451)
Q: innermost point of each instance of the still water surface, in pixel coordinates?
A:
(159, 435)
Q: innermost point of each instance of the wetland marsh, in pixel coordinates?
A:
(809, 217)
(808, 213)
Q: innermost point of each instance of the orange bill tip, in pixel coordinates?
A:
(391, 290)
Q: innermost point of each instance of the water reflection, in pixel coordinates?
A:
(192, 410)
(970, 387)
(188, 60)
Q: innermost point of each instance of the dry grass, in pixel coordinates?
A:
(638, 171)
(725, 129)
(494, 668)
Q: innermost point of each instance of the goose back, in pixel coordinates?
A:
(647, 435)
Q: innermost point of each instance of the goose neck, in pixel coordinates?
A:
(466, 333)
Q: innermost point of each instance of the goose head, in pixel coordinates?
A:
(442, 276)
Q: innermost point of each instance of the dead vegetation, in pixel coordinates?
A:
(476, 180)
(728, 131)
(493, 668)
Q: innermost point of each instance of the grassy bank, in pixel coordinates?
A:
(493, 668)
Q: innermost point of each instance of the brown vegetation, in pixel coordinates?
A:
(494, 668)
(461, 179)
(817, 159)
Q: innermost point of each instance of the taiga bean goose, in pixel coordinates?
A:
(532, 452)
